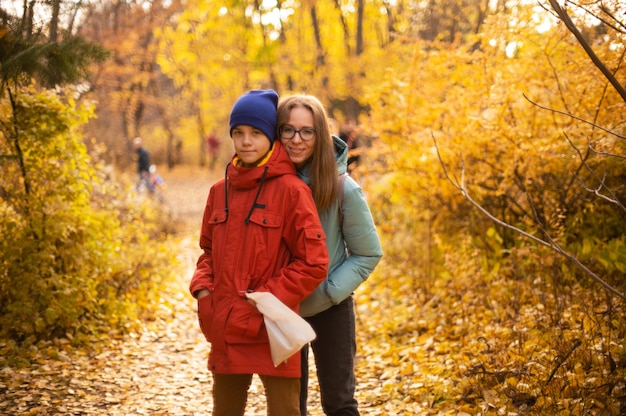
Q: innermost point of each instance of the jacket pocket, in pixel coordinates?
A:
(218, 216)
(315, 244)
(266, 238)
(206, 315)
(243, 324)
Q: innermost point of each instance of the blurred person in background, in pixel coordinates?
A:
(143, 165)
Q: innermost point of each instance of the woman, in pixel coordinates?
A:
(260, 233)
(353, 246)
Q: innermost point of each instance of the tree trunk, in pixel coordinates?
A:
(54, 21)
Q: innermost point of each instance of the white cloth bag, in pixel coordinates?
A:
(287, 331)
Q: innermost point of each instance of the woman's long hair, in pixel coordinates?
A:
(324, 176)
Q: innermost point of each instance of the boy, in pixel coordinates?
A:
(260, 232)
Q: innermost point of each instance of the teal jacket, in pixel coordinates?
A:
(354, 247)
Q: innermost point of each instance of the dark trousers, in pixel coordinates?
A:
(334, 350)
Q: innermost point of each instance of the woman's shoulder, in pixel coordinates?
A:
(353, 198)
(348, 183)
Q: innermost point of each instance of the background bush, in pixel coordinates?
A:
(79, 255)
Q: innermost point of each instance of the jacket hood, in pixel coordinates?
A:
(341, 155)
(240, 177)
(278, 164)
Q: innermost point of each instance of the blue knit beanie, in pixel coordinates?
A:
(256, 108)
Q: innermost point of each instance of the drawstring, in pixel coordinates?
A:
(226, 189)
(254, 204)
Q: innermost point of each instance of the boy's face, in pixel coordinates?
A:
(251, 144)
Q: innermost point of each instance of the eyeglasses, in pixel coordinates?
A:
(288, 133)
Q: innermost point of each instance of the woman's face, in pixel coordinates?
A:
(299, 151)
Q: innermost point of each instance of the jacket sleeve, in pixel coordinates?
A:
(362, 242)
(306, 242)
(203, 275)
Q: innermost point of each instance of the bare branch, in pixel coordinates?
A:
(619, 136)
(550, 243)
(607, 154)
(604, 10)
(562, 13)
(614, 199)
(560, 360)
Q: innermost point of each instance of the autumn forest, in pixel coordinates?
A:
(489, 138)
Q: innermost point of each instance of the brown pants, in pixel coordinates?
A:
(230, 393)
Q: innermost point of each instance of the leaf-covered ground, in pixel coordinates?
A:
(160, 371)
(456, 347)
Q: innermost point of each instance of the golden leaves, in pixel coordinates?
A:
(460, 345)
(455, 343)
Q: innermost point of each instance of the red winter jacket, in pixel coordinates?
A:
(260, 232)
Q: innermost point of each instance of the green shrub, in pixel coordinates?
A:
(77, 257)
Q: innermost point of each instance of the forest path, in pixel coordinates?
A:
(160, 371)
